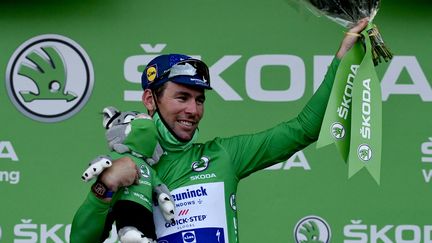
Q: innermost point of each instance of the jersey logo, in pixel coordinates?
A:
(201, 165)
(145, 172)
(233, 203)
(189, 237)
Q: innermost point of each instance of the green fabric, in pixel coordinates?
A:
(143, 137)
(366, 122)
(229, 160)
(89, 220)
(234, 158)
(353, 118)
(142, 140)
(336, 125)
(167, 141)
(143, 192)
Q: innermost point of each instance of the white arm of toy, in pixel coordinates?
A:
(130, 234)
(96, 167)
(166, 202)
(166, 206)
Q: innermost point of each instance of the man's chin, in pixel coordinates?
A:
(185, 136)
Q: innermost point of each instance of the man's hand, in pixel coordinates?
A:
(123, 172)
(351, 37)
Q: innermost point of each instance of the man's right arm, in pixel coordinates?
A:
(89, 221)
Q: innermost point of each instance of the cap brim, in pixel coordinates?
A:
(190, 81)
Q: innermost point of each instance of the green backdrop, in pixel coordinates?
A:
(41, 159)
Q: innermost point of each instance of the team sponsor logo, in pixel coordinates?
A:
(201, 165)
(147, 183)
(141, 197)
(188, 203)
(151, 73)
(364, 152)
(199, 207)
(144, 170)
(203, 176)
(190, 197)
(218, 235)
(312, 229)
(337, 130)
(189, 194)
(188, 221)
(49, 78)
(183, 212)
(189, 237)
(233, 203)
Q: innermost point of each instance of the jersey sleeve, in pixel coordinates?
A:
(250, 153)
(89, 221)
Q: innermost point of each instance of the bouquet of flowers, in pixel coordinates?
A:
(347, 13)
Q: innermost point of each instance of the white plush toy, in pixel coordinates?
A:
(134, 135)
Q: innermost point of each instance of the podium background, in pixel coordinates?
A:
(50, 156)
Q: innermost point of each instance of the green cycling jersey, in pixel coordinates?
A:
(203, 179)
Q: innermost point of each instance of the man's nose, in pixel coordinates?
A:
(191, 108)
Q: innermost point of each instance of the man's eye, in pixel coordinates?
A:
(200, 99)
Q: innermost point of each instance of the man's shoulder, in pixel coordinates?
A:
(210, 142)
(216, 143)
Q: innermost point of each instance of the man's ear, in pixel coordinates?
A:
(148, 101)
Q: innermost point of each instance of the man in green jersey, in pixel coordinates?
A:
(203, 177)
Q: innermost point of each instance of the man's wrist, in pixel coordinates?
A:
(101, 191)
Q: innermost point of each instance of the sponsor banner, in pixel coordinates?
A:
(198, 215)
(353, 117)
(366, 121)
(62, 64)
(210, 235)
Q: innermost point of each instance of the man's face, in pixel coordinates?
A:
(182, 109)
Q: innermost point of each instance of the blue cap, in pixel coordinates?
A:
(177, 68)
